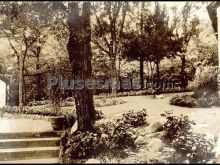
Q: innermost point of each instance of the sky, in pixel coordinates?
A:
(202, 13)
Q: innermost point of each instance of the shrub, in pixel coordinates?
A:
(123, 136)
(184, 101)
(84, 144)
(107, 126)
(204, 102)
(191, 101)
(216, 101)
(175, 126)
(99, 115)
(206, 83)
(89, 144)
(195, 146)
(108, 102)
(135, 119)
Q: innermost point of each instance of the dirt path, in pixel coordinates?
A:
(207, 119)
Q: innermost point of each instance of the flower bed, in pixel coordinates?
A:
(140, 93)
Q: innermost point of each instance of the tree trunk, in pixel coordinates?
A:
(80, 55)
(20, 77)
(158, 70)
(142, 72)
(141, 58)
(183, 64)
(114, 83)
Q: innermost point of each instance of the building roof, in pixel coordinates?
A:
(212, 10)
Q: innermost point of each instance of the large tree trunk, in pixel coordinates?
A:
(80, 55)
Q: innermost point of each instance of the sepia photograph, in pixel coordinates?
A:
(109, 82)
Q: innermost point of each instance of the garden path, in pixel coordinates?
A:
(207, 119)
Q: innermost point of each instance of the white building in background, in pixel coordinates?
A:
(3, 93)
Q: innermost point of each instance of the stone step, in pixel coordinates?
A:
(29, 153)
(23, 135)
(33, 161)
(25, 143)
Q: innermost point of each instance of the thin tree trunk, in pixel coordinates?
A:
(141, 57)
(21, 83)
(183, 64)
(38, 78)
(158, 70)
(142, 72)
(113, 77)
(80, 55)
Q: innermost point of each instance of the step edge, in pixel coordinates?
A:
(30, 139)
(29, 149)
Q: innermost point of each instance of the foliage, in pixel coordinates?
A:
(184, 101)
(135, 119)
(102, 102)
(198, 148)
(84, 144)
(175, 126)
(123, 136)
(38, 110)
(88, 144)
(108, 136)
(206, 82)
(192, 101)
(204, 102)
(99, 115)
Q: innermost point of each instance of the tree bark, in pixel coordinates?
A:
(142, 72)
(80, 55)
(114, 78)
(21, 83)
(141, 58)
(183, 65)
(158, 70)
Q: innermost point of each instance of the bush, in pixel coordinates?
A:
(109, 136)
(107, 102)
(35, 110)
(84, 144)
(184, 101)
(195, 146)
(204, 102)
(135, 119)
(175, 126)
(123, 136)
(191, 101)
(89, 144)
(206, 83)
(99, 115)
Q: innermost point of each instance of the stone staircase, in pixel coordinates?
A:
(28, 147)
